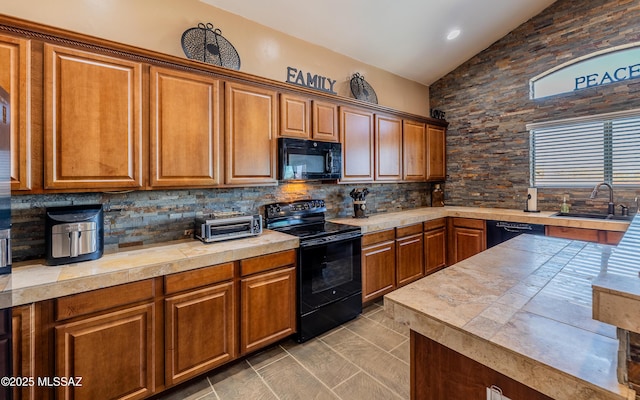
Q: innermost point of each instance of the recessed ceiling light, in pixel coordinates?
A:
(453, 34)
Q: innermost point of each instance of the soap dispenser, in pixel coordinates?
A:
(564, 208)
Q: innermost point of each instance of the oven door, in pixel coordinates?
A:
(328, 272)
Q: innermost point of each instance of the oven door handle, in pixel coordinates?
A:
(320, 242)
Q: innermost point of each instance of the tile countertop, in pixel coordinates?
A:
(382, 221)
(524, 309)
(34, 281)
(616, 290)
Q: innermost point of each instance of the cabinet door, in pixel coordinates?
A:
(357, 145)
(414, 152)
(388, 148)
(268, 308)
(436, 154)
(468, 238)
(113, 353)
(250, 135)
(200, 331)
(435, 245)
(295, 114)
(185, 122)
(23, 348)
(325, 122)
(378, 270)
(5, 351)
(93, 123)
(437, 372)
(409, 258)
(15, 78)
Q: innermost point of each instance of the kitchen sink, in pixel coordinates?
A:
(594, 216)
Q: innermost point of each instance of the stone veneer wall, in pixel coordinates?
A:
(145, 217)
(487, 103)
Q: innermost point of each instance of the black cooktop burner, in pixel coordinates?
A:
(304, 219)
(316, 230)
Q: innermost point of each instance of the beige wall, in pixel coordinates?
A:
(158, 25)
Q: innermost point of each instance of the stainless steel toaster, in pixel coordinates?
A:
(217, 227)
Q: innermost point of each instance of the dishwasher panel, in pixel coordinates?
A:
(500, 231)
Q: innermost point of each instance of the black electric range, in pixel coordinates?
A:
(329, 277)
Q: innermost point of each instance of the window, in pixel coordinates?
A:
(582, 152)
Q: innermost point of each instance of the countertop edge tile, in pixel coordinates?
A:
(35, 281)
(539, 376)
(382, 221)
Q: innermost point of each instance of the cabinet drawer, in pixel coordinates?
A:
(378, 237)
(589, 235)
(434, 224)
(611, 237)
(265, 263)
(408, 230)
(197, 278)
(469, 223)
(103, 299)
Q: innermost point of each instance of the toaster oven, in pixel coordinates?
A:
(226, 226)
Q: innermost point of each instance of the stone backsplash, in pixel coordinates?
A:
(487, 104)
(145, 217)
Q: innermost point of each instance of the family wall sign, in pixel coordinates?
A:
(309, 80)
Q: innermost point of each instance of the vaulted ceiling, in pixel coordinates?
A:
(405, 37)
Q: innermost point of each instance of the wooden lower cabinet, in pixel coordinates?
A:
(134, 340)
(23, 349)
(467, 237)
(409, 254)
(113, 353)
(378, 264)
(267, 300)
(589, 235)
(5, 351)
(267, 308)
(435, 245)
(438, 372)
(199, 331)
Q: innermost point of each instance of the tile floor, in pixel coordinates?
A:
(366, 358)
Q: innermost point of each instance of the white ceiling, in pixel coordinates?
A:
(405, 37)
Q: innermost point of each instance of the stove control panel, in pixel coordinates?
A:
(299, 207)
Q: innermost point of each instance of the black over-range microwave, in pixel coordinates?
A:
(300, 160)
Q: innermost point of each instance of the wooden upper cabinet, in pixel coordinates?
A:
(295, 114)
(185, 128)
(388, 146)
(356, 128)
(93, 121)
(436, 153)
(303, 118)
(15, 78)
(413, 151)
(250, 123)
(325, 121)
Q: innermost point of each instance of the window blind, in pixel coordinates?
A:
(584, 152)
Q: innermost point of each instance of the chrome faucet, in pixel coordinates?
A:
(611, 208)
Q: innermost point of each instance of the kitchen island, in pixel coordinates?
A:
(522, 309)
